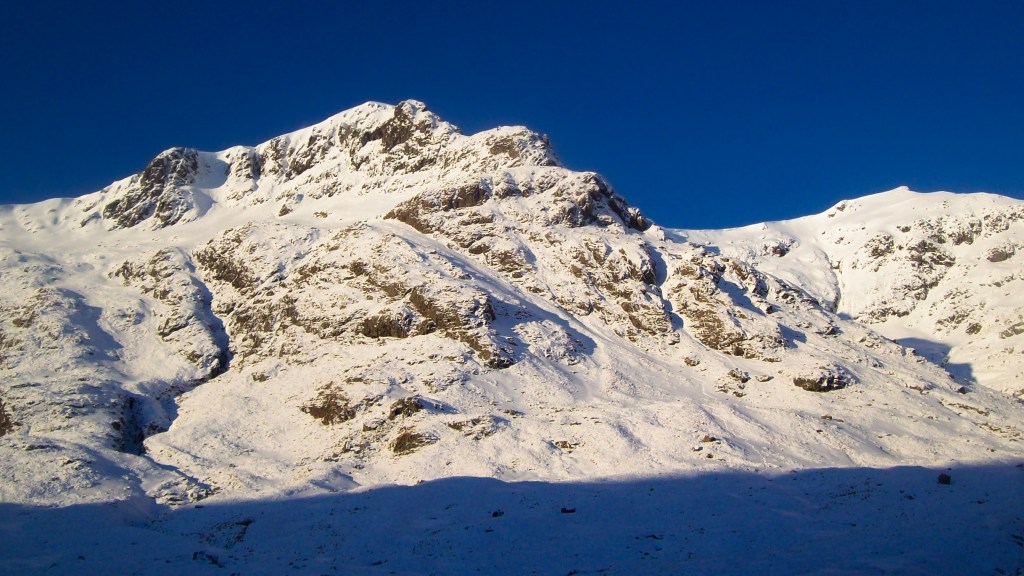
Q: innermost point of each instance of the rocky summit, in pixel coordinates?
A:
(379, 299)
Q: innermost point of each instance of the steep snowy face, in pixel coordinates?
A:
(937, 272)
(379, 298)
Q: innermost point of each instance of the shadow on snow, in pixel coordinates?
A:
(827, 521)
(938, 353)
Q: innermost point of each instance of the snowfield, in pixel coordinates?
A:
(817, 521)
(379, 346)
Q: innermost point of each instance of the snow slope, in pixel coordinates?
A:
(938, 272)
(380, 300)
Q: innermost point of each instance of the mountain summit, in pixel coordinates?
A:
(381, 299)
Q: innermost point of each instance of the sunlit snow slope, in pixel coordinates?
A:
(940, 273)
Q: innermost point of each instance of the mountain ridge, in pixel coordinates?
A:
(380, 299)
(934, 268)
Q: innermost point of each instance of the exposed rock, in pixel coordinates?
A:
(417, 211)
(272, 160)
(330, 407)
(130, 429)
(399, 128)
(393, 323)
(1001, 253)
(409, 440)
(8, 347)
(158, 192)
(478, 428)
(778, 248)
(704, 292)
(373, 424)
(739, 375)
(243, 170)
(6, 422)
(827, 380)
(404, 407)
(879, 246)
(1012, 330)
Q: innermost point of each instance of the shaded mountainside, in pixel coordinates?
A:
(381, 299)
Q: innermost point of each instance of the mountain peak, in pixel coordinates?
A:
(373, 148)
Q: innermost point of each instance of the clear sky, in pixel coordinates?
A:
(703, 114)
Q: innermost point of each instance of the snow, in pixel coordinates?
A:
(818, 521)
(558, 358)
(828, 258)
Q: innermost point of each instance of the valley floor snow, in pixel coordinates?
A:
(826, 521)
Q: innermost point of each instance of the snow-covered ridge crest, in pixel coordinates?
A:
(371, 148)
(938, 271)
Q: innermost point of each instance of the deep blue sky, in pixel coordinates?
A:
(704, 114)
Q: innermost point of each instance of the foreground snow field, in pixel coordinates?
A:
(378, 345)
(818, 521)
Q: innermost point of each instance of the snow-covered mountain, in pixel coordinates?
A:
(380, 299)
(936, 272)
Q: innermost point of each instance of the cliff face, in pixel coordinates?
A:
(380, 298)
(159, 193)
